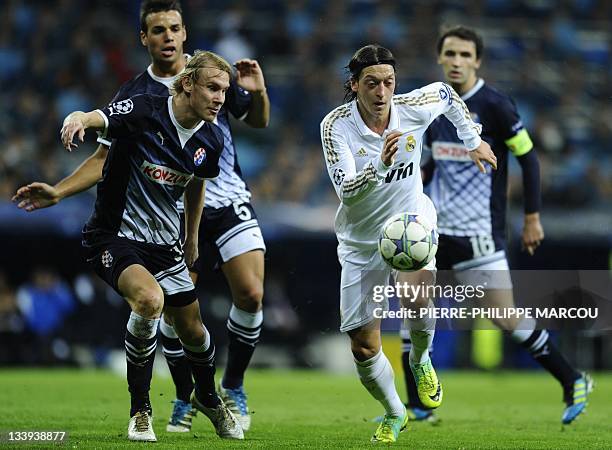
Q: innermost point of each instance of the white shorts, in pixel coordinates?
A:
(491, 271)
(361, 272)
(241, 239)
(229, 231)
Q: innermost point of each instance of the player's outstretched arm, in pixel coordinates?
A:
(36, 196)
(250, 77)
(39, 195)
(483, 153)
(76, 123)
(194, 204)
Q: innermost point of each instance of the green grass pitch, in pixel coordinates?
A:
(310, 409)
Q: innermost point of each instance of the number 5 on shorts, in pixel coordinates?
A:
(242, 211)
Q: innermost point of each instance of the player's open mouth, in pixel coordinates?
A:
(379, 105)
(454, 74)
(168, 51)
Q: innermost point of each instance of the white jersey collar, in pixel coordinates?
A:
(364, 129)
(167, 81)
(471, 92)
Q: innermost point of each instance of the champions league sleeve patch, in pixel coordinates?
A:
(122, 107)
(339, 176)
(199, 157)
(445, 93)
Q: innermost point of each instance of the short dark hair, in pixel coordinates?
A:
(369, 55)
(154, 6)
(465, 33)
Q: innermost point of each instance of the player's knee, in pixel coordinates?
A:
(419, 302)
(189, 328)
(191, 332)
(148, 301)
(250, 297)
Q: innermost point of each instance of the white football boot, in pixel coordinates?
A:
(140, 427)
(225, 423)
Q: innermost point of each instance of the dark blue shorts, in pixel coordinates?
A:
(110, 255)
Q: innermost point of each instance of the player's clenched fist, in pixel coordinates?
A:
(390, 148)
(191, 252)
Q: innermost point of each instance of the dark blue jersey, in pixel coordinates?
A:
(468, 202)
(228, 187)
(148, 166)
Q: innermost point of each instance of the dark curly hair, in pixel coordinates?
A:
(369, 55)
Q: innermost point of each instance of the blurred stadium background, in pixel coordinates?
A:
(553, 57)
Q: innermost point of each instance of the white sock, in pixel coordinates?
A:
(246, 319)
(422, 331)
(167, 329)
(376, 374)
(524, 330)
(142, 327)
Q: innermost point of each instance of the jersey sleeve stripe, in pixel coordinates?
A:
(458, 101)
(368, 174)
(420, 100)
(331, 154)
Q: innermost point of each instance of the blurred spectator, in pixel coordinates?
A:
(557, 67)
(45, 303)
(11, 325)
(98, 323)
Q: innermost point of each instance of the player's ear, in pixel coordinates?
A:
(184, 33)
(354, 85)
(143, 38)
(187, 85)
(477, 64)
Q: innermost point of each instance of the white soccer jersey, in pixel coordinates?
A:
(370, 192)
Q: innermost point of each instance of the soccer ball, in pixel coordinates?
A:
(407, 242)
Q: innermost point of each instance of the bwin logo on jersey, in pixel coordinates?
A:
(199, 157)
(399, 173)
(122, 107)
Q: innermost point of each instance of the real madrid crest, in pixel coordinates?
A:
(410, 143)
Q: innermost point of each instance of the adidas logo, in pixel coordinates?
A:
(362, 152)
